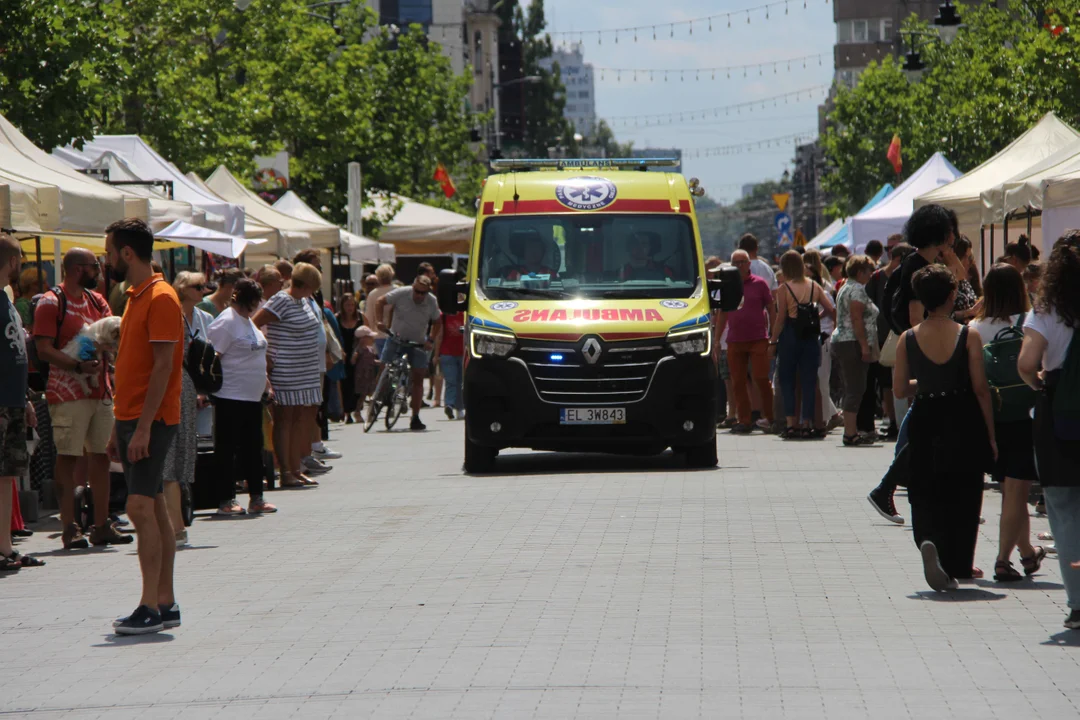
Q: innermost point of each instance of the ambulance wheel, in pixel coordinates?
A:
(479, 458)
(701, 456)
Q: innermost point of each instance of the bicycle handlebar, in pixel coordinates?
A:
(403, 343)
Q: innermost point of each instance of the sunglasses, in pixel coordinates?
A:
(421, 292)
(200, 287)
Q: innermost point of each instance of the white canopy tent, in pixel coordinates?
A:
(293, 235)
(964, 195)
(826, 235)
(211, 241)
(146, 163)
(418, 229)
(1060, 205)
(359, 248)
(1024, 191)
(888, 217)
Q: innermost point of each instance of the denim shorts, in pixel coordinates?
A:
(146, 477)
(418, 356)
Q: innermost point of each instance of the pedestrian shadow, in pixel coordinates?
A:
(563, 463)
(1032, 585)
(961, 595)
(113, 640)
(78, 552)
(1065, 638)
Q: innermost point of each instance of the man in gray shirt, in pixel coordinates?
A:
(412, 311)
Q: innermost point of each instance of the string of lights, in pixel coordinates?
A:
(682, 116)
(781, 142)
(704, 23)
(725, 72)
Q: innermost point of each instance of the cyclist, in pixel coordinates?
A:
(412, 310)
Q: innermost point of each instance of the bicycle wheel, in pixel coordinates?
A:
(378, 399)
(399, 400)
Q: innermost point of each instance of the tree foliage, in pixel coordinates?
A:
(1004, 71)
(207, 83)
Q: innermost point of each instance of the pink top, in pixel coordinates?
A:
(751, 321)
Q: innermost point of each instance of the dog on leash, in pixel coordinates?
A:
(93, 340)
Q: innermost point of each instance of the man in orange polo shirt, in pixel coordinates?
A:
(147, 409)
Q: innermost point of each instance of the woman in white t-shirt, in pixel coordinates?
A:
(1048, 340)
(238, 438)
(1001, 316)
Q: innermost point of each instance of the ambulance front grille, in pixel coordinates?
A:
(562, 375)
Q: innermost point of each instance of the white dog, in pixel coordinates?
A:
(90, 343)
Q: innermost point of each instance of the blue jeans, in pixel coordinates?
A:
(888, 483)
(1063, 509)
(452, 366)
(798, 360)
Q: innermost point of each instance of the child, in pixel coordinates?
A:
(364, 359)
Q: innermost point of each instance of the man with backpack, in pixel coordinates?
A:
(82, 419)
(929, 230)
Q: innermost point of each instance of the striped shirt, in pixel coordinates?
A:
(294, 350)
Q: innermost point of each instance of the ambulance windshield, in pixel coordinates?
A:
(592, 256)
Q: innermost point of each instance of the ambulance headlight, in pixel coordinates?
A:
(484, 342)
(691, 342)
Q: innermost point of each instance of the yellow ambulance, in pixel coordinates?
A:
(587, 313)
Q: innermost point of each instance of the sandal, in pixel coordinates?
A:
(9, 564)
(291, 481)
(730, 422)
(791, 434)
(24, 560)
(1034, 563)
(857, 440)
(1005, 572)
(977, 573)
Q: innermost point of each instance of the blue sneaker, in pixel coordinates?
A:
(143, 621)
(170, 617)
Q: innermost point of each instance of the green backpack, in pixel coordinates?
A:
(1012, 397)
(1066, 406)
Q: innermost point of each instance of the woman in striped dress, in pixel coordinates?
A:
(293, 327)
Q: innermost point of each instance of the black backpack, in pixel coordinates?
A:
(202, 364)
(61, 315)
(807, 317)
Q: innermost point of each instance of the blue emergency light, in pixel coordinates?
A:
(556, 357)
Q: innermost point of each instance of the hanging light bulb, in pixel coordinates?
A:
(672, 29)
(691, 27)
(635, 34)
(654, 32)
(616, 37)
(710, 23)
(729, 20)
(747, 17)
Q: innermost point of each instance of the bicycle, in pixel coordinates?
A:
(393, 389)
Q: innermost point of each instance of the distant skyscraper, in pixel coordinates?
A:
(578, 79)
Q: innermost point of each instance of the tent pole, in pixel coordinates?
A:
(1029, 222)
(40, 269)
(991, 258)
(982, 250)
(56, 260)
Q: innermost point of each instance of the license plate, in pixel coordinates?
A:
(592, 416)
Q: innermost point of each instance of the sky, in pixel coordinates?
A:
(801, 32)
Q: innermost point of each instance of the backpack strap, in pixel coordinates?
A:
(61, 313)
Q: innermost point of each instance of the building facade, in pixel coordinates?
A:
(868, 30)
(579, 80)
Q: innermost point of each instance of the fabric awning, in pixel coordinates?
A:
(211, 241)
(418, 229)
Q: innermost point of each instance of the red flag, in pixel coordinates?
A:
(894, 154)
(443, 178)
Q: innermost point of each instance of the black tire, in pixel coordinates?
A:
(701, 456)
(187, 509)
(398, 402)
(84, 508)
(479, 458)
(377, 400)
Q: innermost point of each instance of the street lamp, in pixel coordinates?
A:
(913, 66)
(947, 22)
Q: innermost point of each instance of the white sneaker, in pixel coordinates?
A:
(315, 467)
(325, 454)
(182, 539)
(460, 414)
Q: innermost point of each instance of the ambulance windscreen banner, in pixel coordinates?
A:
(597, 256)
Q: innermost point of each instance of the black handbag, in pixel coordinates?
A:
(203, 365)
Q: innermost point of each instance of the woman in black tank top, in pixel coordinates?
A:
(951, 431)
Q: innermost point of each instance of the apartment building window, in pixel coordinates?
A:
(584, 94)
(848, 78)
(415, 11)
(864, 31)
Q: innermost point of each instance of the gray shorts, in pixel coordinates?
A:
(14, 460)
(145, 477)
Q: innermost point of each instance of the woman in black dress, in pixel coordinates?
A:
(939, 364)
(349, 319)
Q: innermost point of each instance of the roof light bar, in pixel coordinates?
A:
(573, 163)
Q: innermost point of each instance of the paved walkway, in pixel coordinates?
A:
(564, 587)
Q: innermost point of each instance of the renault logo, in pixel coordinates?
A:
(591, 350)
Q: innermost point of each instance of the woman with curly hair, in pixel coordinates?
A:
(1048, 348)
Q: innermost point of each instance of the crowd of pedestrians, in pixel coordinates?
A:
(972, 377)
(253, 365)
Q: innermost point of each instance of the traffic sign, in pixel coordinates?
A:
(782, 223)
(781, 200)
(800, 239)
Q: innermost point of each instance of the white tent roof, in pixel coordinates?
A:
(146, 164)
(1025, 188)
(64, 199)
(418, 229)
(359, 248)
(888, 216)
(206, 239)
(964, 194)
(293, 234)
(826, 235)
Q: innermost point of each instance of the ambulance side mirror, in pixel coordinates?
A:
(725, 289)
(453, 295)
